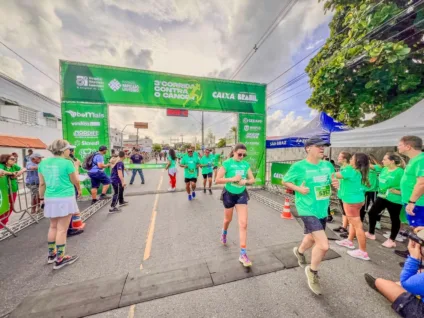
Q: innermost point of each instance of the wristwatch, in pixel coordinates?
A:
(413, 202)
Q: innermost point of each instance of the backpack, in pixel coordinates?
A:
(88, 161)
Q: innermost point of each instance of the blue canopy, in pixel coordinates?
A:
(322, 126)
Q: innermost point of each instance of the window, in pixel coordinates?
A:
(51, 122)
(27, 115)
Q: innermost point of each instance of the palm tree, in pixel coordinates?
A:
(234, 129)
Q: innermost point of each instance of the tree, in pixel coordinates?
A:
(157, 148)
(221, 143)
(234, 130)
(371, 63)
(210, 138)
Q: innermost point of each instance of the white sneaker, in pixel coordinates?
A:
(399, 238)
(170, 190)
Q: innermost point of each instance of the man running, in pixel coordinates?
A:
(137, 159)
(98, 176)
(311, 181)
(207, 169)
(190, 163)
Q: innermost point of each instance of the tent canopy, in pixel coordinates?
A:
(322, 126)
(386, 133)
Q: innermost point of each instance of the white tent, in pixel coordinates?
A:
(386, 133)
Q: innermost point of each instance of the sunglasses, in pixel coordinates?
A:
(13, 159)
(242, 155)
(190, 151)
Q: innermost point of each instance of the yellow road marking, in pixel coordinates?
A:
(151, 230)
(141, 267)
(131, 312)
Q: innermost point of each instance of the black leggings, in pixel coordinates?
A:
(369, 201)
(394, 210)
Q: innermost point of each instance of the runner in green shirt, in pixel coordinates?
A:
(371, 191)
(235, 173)
(343, 160)
(311, 181)
(412, 183)
(207, 163)
(355, 179)
(190, 163)
(388, 197)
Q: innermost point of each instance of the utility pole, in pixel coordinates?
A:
(182, 138)
(203, 132)
(137, 139)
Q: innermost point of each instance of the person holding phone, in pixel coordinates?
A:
(236, 173)
(57, 181)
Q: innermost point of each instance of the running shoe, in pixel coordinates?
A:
(224, 239)
(114, 210)
(189, 197)
(142, 182)
(340, 229)
(193, 194)
(370, 236)
(94, 201)
(346, 243)
(170, 189)
(125, 203)
(344, 235)
(399, 238)
(313, 281)
(67, 260)
(389, 244)
(370, 281)
(402, 264)
(378, 225)
(210, 191)
(301, 259)
(403, 254)
(359, 254)
(74, 232)
(204, 191)
(51, 259)
(104, 197)
(402, 233)
(245, 260)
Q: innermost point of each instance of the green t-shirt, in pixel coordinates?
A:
(413, 170)
(373, 178)
(352, 190)
(192, 162)
(339, 192)
(233, 168)
(13, 182)
(207, 161)
(317, 178)
(216, 159)
(390, 180)
(55, 172)
(172, 162)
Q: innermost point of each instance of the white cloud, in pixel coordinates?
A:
(313, 113)
(279, 124)
(11, 67)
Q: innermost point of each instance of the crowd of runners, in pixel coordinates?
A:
(363, 185)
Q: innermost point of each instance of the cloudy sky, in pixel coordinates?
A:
(194, 37)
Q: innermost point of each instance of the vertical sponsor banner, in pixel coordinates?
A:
(278, 170)
(4, 196)
(87, 127)
(252, 133)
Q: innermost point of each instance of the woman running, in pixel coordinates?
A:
(388, 197)
(371, 192)
(172, 170)
(343, 160)
(57, 180)
(355, 179)
(235, 173)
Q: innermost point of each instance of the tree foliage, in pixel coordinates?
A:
(221, 143)
(156, 147)
(372, 63)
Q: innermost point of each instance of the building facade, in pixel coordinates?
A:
(115, 138)
(144, 143)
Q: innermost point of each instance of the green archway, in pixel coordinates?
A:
(87, 90)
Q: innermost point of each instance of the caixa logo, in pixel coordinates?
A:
(86, 133)
(84, 115)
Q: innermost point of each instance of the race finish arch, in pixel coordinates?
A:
(88, 89)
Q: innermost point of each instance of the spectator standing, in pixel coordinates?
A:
(118, 183)
(27, 158)
(57, 180)
(172, 170)
(32, 181)
(13, 171)
(98, 176)
(137, 158)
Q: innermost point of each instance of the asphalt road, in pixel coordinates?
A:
(158, 230)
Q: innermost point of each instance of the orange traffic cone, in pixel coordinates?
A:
(286, 214)
(77, 222)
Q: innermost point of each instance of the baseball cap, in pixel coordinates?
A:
(36, 155)
(316, 141)
(102, 148)
(68, 146)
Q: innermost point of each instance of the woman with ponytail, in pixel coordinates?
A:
(372, 190)
(355, 180)
(388, 197)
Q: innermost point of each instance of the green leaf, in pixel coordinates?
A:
(403, 51)
(369, 84)
(392, 58)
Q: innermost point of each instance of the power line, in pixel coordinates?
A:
(290, 90)
(282, 14)
(273, 105)
(24, 59)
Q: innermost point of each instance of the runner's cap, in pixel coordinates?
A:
(316, 141)
(102, 148)
(36, 155)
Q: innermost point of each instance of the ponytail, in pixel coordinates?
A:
(397, 158)
(362, 164)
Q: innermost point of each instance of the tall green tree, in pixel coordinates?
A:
(221, 143)
(156, 147)
(372, 63)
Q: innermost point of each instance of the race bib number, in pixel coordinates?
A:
(191, 170)
(322, 192)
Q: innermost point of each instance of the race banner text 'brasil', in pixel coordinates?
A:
(251, 132)
(115, 85)
(278, 170)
